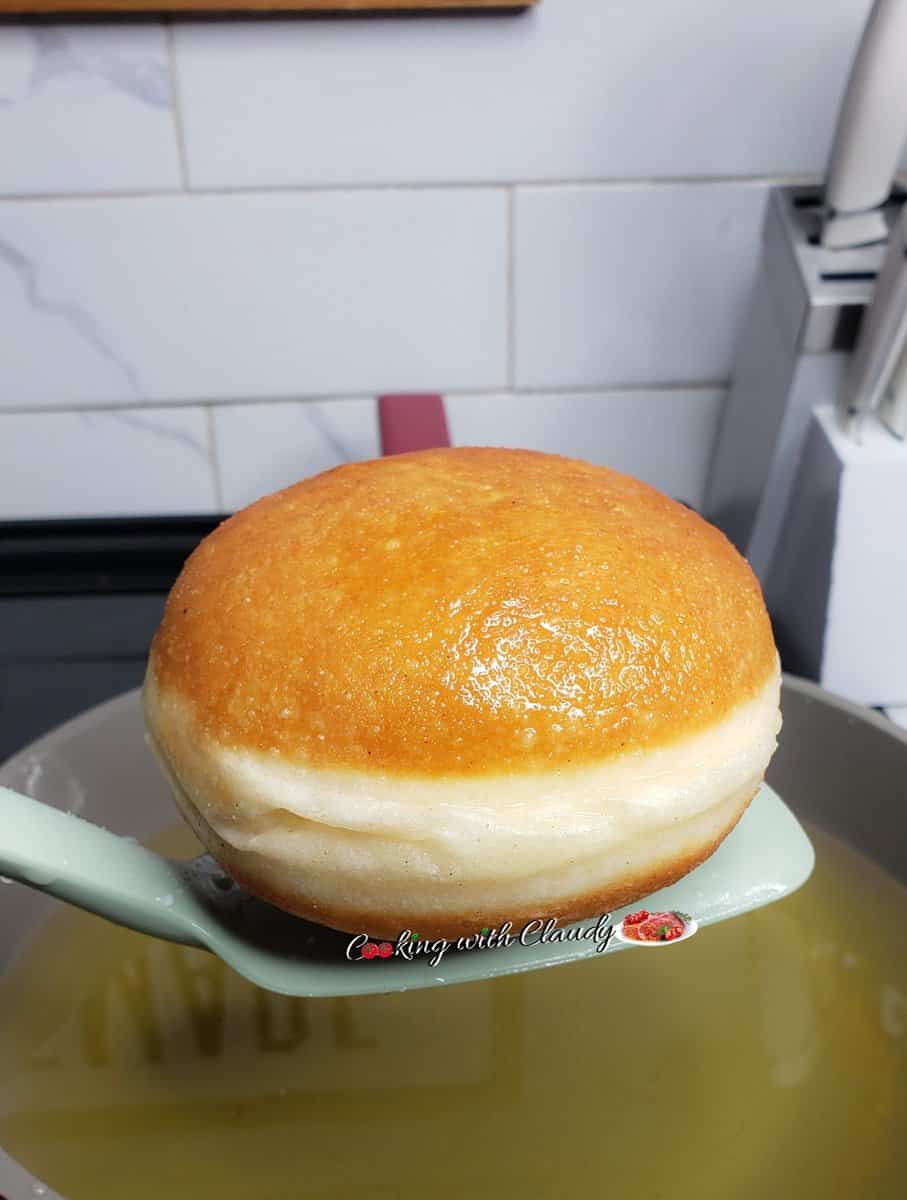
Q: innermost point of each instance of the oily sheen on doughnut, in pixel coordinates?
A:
(447, 689)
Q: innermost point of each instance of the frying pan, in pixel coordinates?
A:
(839, 766)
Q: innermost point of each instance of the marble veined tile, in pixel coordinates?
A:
(85, 108)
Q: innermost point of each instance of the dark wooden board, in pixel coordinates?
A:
(233, 6)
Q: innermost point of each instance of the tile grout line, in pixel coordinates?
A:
(554, 391)
(511, 287)
(214, 458)
(319, 189)
(176, 108)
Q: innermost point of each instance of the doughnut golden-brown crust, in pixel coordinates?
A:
(463, 612)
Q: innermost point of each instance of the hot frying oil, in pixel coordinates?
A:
(766, 1056)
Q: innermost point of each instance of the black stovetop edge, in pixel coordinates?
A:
(97, 554)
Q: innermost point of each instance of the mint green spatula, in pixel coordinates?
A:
(767, 857)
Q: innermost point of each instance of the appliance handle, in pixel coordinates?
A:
(414, 421)
(871, 131)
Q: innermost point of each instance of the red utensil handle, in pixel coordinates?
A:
(412, 422)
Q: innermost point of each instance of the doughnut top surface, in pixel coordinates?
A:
(462, 612)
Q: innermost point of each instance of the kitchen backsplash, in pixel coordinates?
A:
(220, 240)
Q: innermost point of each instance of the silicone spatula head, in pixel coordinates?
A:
(767, 857)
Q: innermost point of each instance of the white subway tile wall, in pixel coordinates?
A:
(185, 298)
(251, 228)
(632, 285)
(86, 108)
(263, 447)
(662, 437)
(577, 89)
(85, 464)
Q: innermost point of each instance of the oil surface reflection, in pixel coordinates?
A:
(766, 1050)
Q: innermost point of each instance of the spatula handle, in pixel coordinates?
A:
(90, 867)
